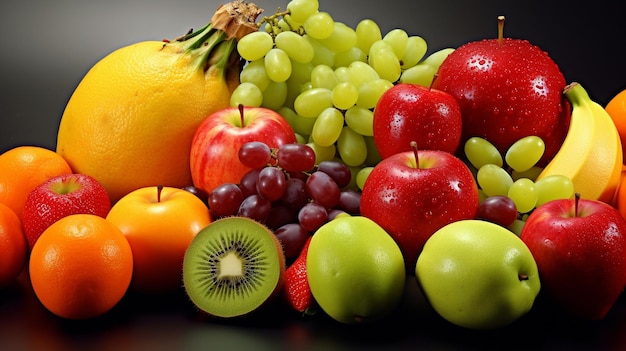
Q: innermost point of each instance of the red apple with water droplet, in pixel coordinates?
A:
(507, 89)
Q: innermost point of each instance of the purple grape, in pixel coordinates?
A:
(271, 183)
(295, 157)
(225, 199)
(339, 171)
(255, 207)
(292, 237)
(280, 215)
(312, 216)
(295, 194)
(350, 202)
(498, 209)
(255, 154)
(248, 182)
(323, 189)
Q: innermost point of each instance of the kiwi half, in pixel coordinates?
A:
(233, 266)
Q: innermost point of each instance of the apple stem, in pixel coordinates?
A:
(576, 200)
(500, 29)
(522, 277)
(415, 153)
(240, 107)
(159, 190)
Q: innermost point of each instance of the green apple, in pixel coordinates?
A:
(477, 274)
(355, 270)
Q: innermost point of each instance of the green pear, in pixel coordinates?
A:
(355, 270)
(477, 274)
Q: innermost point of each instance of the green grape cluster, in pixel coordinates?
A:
(515, 174)
(326, 77)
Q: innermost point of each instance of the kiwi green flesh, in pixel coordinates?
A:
(232, 267)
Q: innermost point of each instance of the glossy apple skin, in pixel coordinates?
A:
(159, 232)
(507, 90)
(411, 203)
(408, 112)
(216, 143)
(45, 205)
(581, 260)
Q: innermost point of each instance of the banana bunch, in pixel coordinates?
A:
(591, 154)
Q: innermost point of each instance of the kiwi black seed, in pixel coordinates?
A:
(233, 266)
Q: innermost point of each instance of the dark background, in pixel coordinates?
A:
(47, 46)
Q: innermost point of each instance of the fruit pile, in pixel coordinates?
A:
(303, 161)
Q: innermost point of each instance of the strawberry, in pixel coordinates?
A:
(297, 291)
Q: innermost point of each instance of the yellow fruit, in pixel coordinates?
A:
(591, 154)
(130, 121)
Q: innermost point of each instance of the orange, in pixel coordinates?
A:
(13, 248)
(81, 266)
(23, 168)
(617, 110)
(131, 119)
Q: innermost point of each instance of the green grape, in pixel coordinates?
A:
(517, 226)
(319, 25)
(343, 74)
(436, 58)
(321, 54)
(254, 72)
(344, 95)
(351, 147)
(327, 127)
(373, 156)
(277, 65)
(345, 58)
(554, 187)
(255, 45)
(481, 196)
(300, 10)
(361, 120)
(531, 173)
(301, 72)
(300, 139)
(323, 76)
(312, 102)
(480, 151)
(360, 73)
(370, 92)
(246, 94)
(525, 153)
(398, 39)
(415, 50)
(341, 39)
(384, 61)
(300, 125)
(297, 47)
(288, 24)
(323, 153)
(367, 32)
(275, 95)
(420, 74)
(524, 194)
(361, 176)
(493, 180)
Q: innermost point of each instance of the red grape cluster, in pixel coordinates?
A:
(287, 191)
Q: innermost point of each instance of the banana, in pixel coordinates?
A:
(591, 154)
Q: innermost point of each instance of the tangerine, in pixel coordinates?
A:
(81, 266)
(22, 168)
(13, 246)
(616, 108)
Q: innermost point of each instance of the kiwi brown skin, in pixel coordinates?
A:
(233, 239)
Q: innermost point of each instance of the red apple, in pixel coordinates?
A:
(507, 89)
(216, 143)
(409, 112)
(414, 193)
(59, 197)
(159, 223)
(580, 249)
